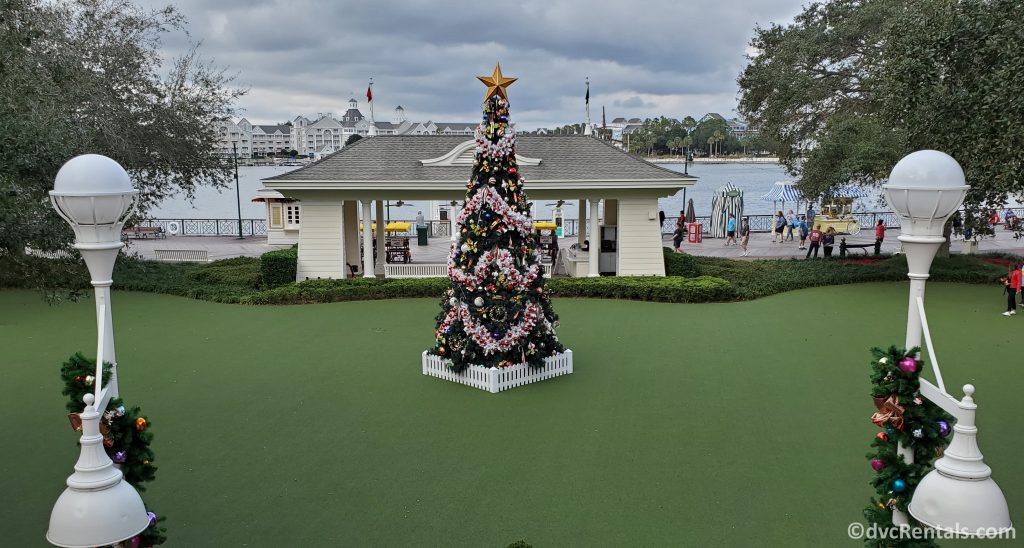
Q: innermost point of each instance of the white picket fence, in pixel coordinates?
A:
(416, 270)
(496, 380)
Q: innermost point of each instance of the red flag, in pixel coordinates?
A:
(369, 94)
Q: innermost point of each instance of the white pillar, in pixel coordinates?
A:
(595, 238)
(367, 241)
(452, 214)
(380, 235)
(581, 224)
(99, 258)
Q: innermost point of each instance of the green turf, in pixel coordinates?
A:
(742, 424)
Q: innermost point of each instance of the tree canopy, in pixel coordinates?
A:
(851, 86)
(87, 76)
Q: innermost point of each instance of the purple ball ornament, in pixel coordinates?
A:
(152, 518)
(877, 464)
(120, 457)
(908, 365)
(944, 429)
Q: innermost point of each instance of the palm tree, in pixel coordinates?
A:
(718, 137)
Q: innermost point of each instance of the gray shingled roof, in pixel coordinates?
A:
(397, 158)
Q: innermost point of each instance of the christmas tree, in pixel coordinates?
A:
(496, 313)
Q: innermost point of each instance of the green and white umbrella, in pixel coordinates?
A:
(728, 199)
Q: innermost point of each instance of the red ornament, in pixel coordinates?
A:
(882, 436)
(512, 171)
(108, 442)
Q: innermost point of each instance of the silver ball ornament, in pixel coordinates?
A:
(479, 301)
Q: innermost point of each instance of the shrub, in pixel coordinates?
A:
(350, 289)
(240, 271)
(668, 289)
(279, 267)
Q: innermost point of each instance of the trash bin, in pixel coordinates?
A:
(421, 235)
(695, 233)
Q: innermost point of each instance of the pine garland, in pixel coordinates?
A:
(906, 417)
(126, 433)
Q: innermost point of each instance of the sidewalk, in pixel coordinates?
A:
(761, 246)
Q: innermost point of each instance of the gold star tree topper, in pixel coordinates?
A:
(496, 83)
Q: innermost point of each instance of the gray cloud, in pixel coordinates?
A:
(644, 58)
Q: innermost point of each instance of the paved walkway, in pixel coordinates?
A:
(222, 247)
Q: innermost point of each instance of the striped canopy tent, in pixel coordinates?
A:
(782, 192)
(848, 191)
(728, 199)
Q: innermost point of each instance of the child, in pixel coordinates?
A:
(803, 232)
(815, 236)
(879, 236)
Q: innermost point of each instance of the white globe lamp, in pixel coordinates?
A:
(94, 195)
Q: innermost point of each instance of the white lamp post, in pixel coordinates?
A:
(94, 195)
(924, 189)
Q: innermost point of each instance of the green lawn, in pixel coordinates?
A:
(742, 424)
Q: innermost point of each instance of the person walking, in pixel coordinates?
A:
(681, 222)
(791, 222)
(958, 224)
(1012, 288)
(815, 237)
(879, 236)
(828, 240)
(780, 225)
(811, 214)
(802, 227)
(677, 239)
(661, 221)
(744, 237)
(730, 230)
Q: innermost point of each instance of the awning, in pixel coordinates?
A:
(849, 191)
(544, 225)
(783, 191)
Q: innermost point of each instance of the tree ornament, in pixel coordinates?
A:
(465, 247)
(89, 379)
(883, 360)
(152, 518)
(479, 301)
(889, 410)
(120, 411)
(917, 433)
(908, 365)
(108, 442)
(140, 424)
(877, 464)
(899, 486)
(944, 429)
(882, 436)
(120, 457)
(453, 301)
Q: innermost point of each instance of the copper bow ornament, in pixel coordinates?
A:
(889, 409)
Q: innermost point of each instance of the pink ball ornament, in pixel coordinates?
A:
(908, 365)
(877, 464)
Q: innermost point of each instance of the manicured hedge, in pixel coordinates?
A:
(690, 279)
(279, 267)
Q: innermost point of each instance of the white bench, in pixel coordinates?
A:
(182, 255)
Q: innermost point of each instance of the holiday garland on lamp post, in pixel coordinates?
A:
(907, 418)
(495, 314)
(126, 437)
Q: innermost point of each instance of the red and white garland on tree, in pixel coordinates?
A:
(482, 337)
(487, 195)
(503, 259)
(501, 149)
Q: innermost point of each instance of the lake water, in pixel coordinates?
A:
(754, 179)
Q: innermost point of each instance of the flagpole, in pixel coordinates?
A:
(370, 99)
(588, 100)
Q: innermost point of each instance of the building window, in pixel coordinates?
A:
(291, 215)
(275, 215)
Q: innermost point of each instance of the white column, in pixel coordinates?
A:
(380, 235)
(99, 258)
(367, 241)
(452, 214)
(581, 224)
(595, 238)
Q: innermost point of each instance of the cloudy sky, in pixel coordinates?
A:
(644, 57)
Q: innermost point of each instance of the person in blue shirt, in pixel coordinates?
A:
(730, 230)
(802, 226)
(811, 214)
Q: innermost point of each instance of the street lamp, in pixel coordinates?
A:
(95, 196)
(924, 189)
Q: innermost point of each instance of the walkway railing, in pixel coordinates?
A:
(210, 227)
